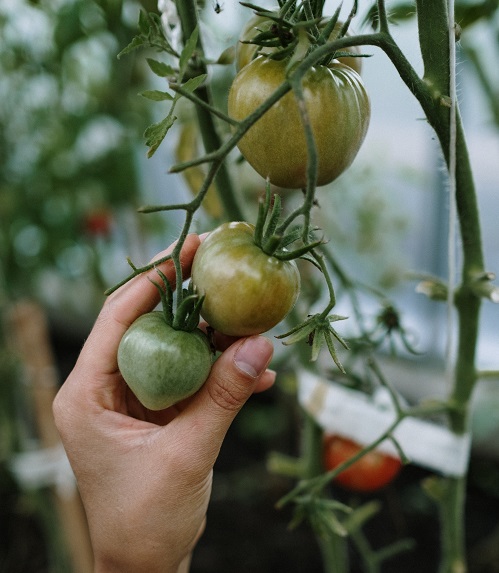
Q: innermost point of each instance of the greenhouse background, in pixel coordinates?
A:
(74, 171)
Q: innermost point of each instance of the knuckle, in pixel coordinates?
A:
(228, 394)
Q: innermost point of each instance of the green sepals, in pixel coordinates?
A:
(187, 313)
(186, 316)
(389, 328)
(317, 331)
(329, 27)
(272, 235)
(321, 514)
(299, 252)
(166, 294)
(326, 32)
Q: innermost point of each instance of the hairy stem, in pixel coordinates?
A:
(188, 14)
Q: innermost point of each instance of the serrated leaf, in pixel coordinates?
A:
(188, 51)
(160, 69)
(137, 42)
(156, 132)
(144, 23)
(156, 95)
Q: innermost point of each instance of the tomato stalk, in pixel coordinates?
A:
(188, 14)
(433, 93)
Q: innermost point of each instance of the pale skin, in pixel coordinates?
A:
(145, 477)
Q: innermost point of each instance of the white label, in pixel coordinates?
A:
(45, 467)
(364, 419)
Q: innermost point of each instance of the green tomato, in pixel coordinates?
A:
(162, 365)
(338, 108)
(246, 291)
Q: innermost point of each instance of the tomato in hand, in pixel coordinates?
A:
(338, 108)
(162, 365)
(371, 472)
(245, 53)
(246, 291)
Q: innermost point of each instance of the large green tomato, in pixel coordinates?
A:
(246, 291)
(338, 107)
(162, 365)
(245, 53)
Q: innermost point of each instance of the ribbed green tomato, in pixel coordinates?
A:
(246, 291)
(162, 365)
(338, 108)
(246, 52)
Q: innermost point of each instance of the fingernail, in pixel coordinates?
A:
(253, 355)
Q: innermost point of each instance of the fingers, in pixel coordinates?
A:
(265, 382)
(130, 301)
(238, 372)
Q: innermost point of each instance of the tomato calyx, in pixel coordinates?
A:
(389, 328)
(272, 235)
(294, 30)
(186, 315)
(318, 331)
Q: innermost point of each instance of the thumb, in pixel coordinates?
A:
(232, 380)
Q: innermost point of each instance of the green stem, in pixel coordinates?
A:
(188, 14)
(333, 548)
(452, 519)
(434, 33)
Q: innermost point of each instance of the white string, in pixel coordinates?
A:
(451, 239)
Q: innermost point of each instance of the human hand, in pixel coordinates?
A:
(145, 477)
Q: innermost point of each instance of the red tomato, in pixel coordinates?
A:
(370, 473)
(98, 223)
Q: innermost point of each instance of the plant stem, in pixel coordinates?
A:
(333, 548)
(188, 14)
(431, 93)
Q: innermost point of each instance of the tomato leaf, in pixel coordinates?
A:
(144, 23)
(151, 36)
(156, 95)
(160, 69)
(188, 51)
(156, 132)
(137, 42)
(192, 84)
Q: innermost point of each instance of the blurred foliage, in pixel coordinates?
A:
(70, 119)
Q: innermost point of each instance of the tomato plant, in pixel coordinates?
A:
(246, 290)
(246, 51)
(371, 472)
(160, 364)
(275, 146)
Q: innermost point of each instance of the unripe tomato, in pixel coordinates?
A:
(371, 472)
(246, 52)
(162, 365)
(275, 146)
(246, 291)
